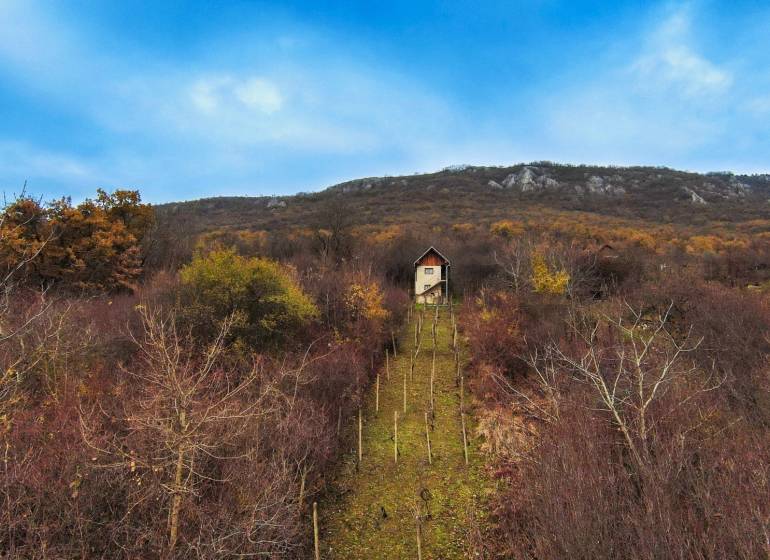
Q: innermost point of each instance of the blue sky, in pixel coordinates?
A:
(185, 99)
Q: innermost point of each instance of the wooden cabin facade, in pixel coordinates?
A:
(431, 278)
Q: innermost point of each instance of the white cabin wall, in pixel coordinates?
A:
(420, 278)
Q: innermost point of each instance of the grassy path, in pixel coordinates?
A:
(372, 511)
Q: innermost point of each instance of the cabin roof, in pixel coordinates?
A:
(433, 250)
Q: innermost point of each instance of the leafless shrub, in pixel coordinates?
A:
(189, 431)
(636, 456)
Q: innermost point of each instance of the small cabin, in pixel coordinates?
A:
(431, 278)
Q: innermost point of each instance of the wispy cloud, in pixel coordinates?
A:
(210, 95)
(21, 162)
(270, 105)
(667, 102)
(671, 62)
(232, 114)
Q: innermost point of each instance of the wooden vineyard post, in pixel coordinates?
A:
(433, 363)
(393, 340)
(465, 438)
(457, 367)
(432, 409)
(432, 377)
(360, 436)
(427, 438)
(454, 338)
(419, 535)
(377, 395)
(315, 532)
(395, 436)
(404, 392)
(462, 393)
(387, 364)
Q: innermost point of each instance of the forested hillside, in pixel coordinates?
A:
(186, 381)
(468, 193)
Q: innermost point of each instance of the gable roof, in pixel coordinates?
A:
(433, 249)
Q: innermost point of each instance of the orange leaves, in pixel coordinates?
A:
(385, 235)
(364, 300)
(93, 246)
(700, 244)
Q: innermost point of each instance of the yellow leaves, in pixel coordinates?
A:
(637, 237)
(463, 228)
(385, 235)
(507, 229)
(263, 297)
(548, 280)
(364, 300)
(247, 241)
(703, 244)
(75, 486)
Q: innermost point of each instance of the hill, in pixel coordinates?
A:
(485, 194)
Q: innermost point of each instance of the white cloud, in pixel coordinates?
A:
(260, 94)
(19, 159)
(220, 93)
(669, 106)
(342, 108)
(204, 96)
(670, 61)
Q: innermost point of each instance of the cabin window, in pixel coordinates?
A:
(426, 287)
(428, 270)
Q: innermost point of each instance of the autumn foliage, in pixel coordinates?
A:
(262, 298)
(93, 247)
(196, 415)
(171, 395)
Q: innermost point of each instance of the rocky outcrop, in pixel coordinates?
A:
(276, 202)
(695, 197)
(361, 184)
(728, 186)
(530, 179)
(632, 183)
(602, 185)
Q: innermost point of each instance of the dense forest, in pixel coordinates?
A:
(174, 378)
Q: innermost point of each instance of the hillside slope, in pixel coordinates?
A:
(371, 511)
(487, 193)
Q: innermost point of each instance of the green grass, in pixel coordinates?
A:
(352, 523)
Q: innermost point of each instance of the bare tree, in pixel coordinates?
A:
(631, 364)
(514, 259)
(190, 411)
